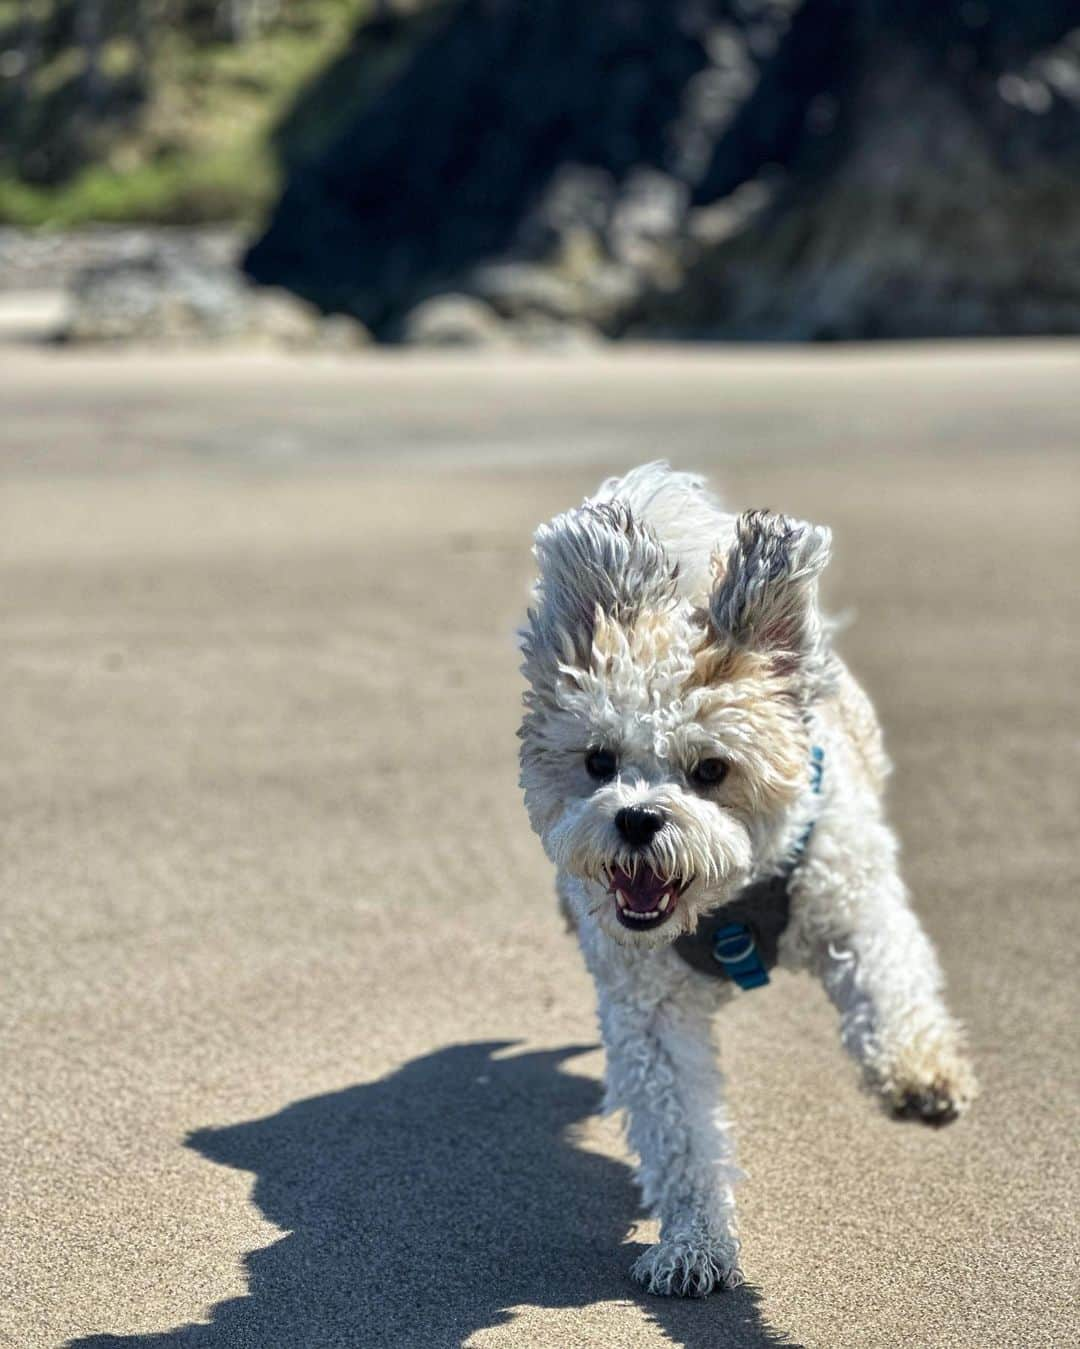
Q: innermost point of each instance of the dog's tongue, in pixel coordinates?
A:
(642, 890)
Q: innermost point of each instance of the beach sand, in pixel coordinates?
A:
(295, 1050)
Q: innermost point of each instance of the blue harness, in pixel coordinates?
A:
(740, 942)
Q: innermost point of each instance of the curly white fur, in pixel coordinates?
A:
(667, 632)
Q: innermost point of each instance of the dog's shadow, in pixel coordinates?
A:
(422, 1208)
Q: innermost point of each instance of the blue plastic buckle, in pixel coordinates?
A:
(735, 950)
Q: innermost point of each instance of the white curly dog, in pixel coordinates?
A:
(707, 776)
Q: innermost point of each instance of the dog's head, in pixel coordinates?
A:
(664, 740)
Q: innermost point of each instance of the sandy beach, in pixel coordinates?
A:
(296, 1052)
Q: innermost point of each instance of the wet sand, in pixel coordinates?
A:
(295, 1050)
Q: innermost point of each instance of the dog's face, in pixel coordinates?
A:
(664, 740)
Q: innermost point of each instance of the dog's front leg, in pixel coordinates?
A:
(661, 1068)
(881, 972)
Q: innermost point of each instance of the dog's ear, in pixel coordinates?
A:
(596, 559)
(765, 595)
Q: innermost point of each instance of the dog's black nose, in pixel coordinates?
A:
(637, 825)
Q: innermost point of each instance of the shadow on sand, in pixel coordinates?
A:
(421, 1208)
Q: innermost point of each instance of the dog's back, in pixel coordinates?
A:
(683, 514)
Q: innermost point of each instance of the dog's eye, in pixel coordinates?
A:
(709, 772)
(601, 764)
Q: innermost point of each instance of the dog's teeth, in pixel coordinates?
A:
(623, 902)
(665, 899)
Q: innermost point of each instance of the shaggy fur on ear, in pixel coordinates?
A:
(766, 596)
(598, 558)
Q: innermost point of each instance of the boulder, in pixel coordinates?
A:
(454, 321)
(179, 296)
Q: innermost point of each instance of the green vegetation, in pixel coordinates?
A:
(164, 114)
(182, 189)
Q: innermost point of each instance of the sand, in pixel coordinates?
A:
(295, 1050)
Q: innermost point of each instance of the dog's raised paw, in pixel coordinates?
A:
(934, 1084)
(938, 1101)
(680, 1269)
(935, 1105)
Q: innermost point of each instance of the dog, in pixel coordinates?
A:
(707, 778)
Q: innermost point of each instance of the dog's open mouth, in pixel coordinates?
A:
(644, 899)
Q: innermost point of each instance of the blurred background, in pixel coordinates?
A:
(490, 172)
(310, 311)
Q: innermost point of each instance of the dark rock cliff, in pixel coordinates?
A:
(760, 168)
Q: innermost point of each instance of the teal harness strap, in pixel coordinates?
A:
(817, 772)
(735, 950)
(741, 941)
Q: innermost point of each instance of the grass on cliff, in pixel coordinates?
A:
(196, 136)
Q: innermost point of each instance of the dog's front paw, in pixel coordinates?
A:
(937, 1092)
(935, 1103)
(686, 1269)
